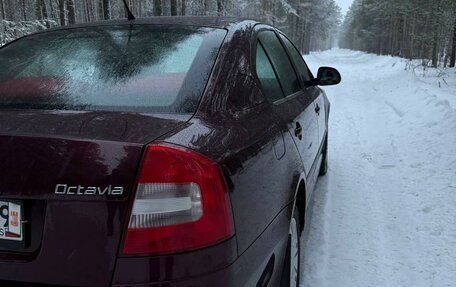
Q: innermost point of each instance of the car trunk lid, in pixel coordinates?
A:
(73, 174)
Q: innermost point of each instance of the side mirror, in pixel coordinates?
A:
(327, 77)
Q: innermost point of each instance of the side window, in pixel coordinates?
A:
(303, 71)
(280, 61)
(267, 76)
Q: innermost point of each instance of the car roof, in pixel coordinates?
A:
(203, 21)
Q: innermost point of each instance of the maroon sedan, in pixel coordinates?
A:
(157, 152)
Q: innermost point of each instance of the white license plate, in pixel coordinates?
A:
(10, 221)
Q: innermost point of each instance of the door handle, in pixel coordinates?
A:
(317, 109)
(298, 131)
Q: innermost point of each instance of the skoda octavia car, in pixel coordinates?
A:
(157, 152)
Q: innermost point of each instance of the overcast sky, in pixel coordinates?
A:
(344, 4)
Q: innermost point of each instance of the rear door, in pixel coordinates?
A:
(295, 107)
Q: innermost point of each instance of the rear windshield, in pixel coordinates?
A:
(131, 68)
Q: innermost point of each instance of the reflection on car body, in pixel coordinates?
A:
(159, 151)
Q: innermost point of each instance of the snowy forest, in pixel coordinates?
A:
(413, 29)
(312, 24)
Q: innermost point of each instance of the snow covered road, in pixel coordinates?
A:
(385, 214)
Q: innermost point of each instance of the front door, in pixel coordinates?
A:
(275, 71)
(311, 94)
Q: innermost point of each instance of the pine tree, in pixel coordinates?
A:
(410, 28)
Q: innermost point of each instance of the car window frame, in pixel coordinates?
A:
(259, 44)
(303, 83)
(289, 59)
(255, 41)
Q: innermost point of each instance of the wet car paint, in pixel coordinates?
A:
(235, 125)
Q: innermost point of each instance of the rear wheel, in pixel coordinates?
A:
(290, 276)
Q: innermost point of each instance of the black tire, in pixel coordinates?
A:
(286, 280)
(324, 161)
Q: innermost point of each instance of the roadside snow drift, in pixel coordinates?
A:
(385, 214)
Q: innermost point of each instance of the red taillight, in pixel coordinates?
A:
(181, 203)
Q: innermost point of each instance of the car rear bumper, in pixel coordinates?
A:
(135, 271)
(222, 278)
(217, 266)
(242, 272)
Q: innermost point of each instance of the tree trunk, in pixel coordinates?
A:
(422, 54)
(53, 12)
(173, 7)
(220, 8)
(71, 12)
(86, 10)
(45, 13)
(412, 37)
(157, 8)
(99, 9)
(453, 49)
(89, 8)
(24, 10)
(435, 50)
(38, 10)
(93, 10)
(140, 9)
(402, 43)
(62, 12)
(106, 9)
(2, 4)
